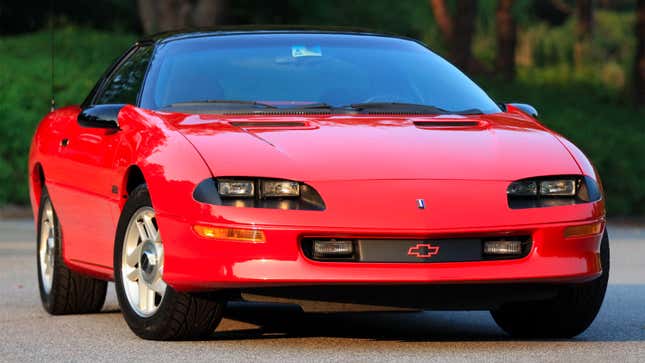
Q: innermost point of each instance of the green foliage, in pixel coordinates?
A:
(25, 88)
(541, 45)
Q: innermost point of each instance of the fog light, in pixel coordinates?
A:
(333, 248)
(233, 234)
(503, 247)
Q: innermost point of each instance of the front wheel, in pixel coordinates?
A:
(152, 309)
(564, 316)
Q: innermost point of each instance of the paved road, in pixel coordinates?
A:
(275, 333)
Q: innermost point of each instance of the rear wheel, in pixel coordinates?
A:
(564, 316)
(62, 291)
(152, 309)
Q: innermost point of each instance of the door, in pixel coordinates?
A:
(85, 178)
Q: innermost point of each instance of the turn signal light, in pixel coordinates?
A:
(583, 230)
(232, 234)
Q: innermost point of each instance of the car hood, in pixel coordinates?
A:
(372, 147)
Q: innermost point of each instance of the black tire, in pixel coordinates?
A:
(180, 316)
(71, 292)
(565, 316)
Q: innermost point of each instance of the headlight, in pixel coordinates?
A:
(552, 191)
(236, 188)
(280, 188)
(522, 188)
(562, 187)
(258, 193)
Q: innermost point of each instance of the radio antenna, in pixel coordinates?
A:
(51, 40)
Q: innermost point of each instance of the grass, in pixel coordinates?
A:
(594, 117)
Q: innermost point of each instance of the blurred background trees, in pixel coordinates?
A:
(157, 16)
(580, 62)
(587, 38)
(639, 59)
(457, 30)
(506, 39)
(584, 27)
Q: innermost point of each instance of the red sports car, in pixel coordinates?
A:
(310, 165)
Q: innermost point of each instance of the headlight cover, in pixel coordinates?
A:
(258, 193)
(552, 191)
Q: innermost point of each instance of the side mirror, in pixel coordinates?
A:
(527, 109)
(100, 116)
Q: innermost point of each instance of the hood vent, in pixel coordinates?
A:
(245, 124)
(448, 123)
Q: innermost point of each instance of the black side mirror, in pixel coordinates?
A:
(527, 109)
(100, 116)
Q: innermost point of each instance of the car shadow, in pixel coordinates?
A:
(622, 318)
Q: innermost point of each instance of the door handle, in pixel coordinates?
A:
(64, 142)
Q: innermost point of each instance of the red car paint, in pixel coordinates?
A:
(370, 171)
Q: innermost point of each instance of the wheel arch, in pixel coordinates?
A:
(36, 184)
(133, 177)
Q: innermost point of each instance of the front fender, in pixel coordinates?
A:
(170, 165)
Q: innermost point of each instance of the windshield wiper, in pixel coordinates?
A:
(222, 102)
(312, 106)
(410, 107)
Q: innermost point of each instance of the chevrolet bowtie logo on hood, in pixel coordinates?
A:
(423, 250)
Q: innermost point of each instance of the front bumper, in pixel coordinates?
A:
(455, 209)
(193, 263)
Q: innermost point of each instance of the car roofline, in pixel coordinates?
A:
(164, 37)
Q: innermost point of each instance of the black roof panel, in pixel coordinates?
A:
(260, 29)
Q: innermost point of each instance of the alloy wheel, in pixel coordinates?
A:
(142, 263)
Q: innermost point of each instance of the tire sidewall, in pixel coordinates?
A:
(47, 298)
(568, 314)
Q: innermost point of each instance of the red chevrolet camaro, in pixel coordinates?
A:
(310, 166)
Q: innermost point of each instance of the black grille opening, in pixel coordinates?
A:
(417, 250)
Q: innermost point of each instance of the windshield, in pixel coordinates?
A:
(296, 70)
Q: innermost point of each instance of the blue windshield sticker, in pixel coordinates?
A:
(304, 51)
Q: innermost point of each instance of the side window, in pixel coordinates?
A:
(125, 82)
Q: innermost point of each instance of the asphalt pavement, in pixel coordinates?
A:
(263, 332)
